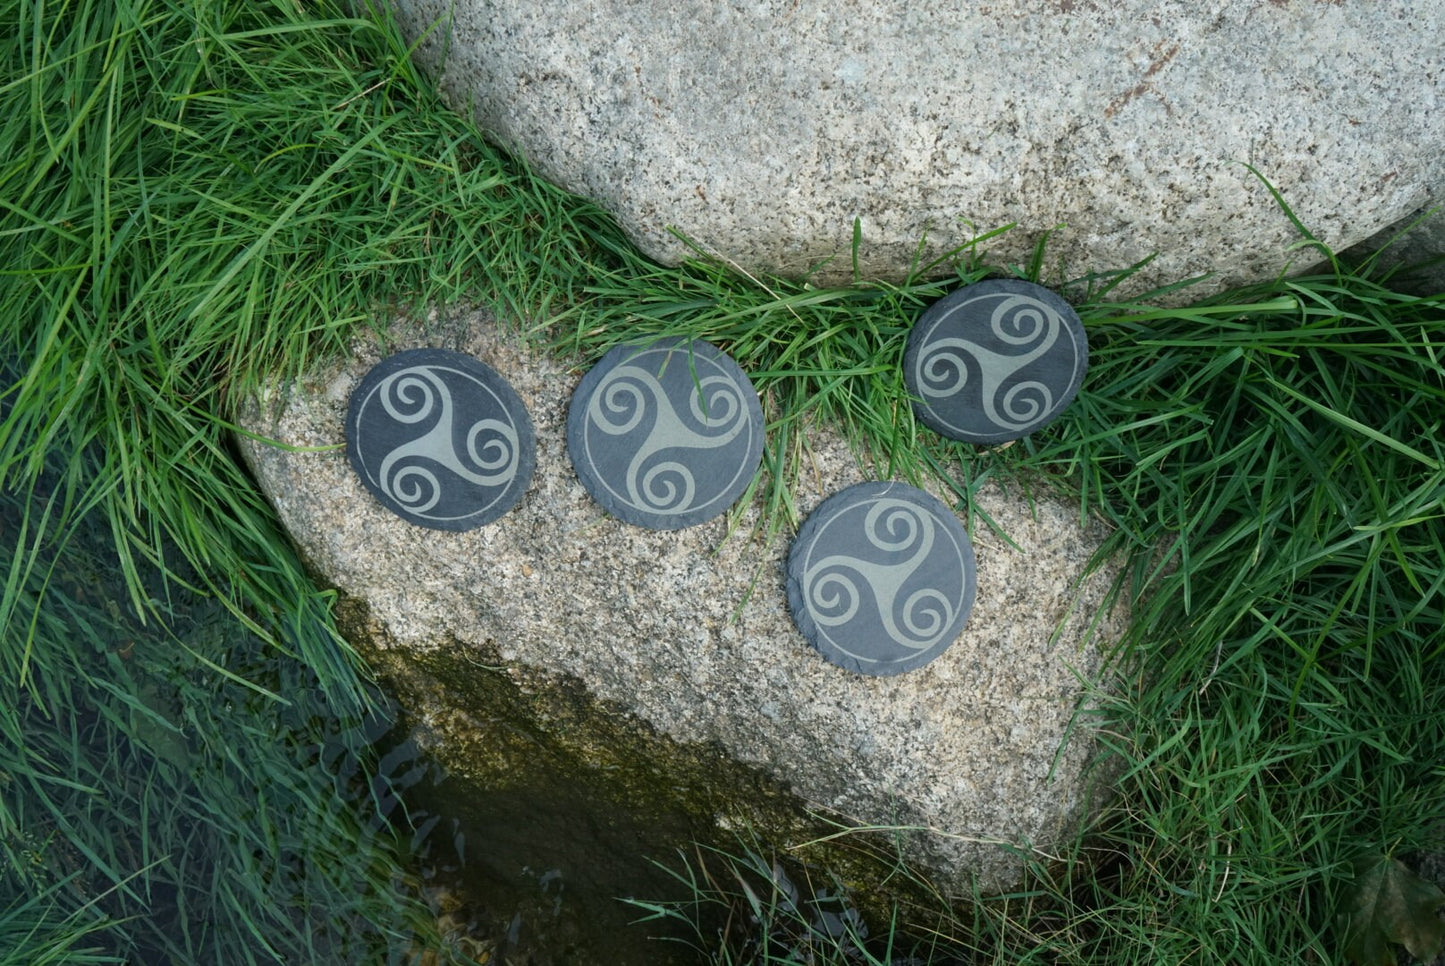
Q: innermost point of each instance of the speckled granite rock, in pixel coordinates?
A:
(763, 129)
(688, 633)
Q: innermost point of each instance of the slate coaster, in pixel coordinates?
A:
(440, 439)
(995, 361)
(667, 435)
(881, 578)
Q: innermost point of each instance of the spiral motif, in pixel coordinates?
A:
(409, 397)
(665, 435)
(904, 535)
(492, 446)
(715, 403)
(667, 486)
(1026, 402)
(895, 526)
(942, 373)
(880, 578)
(627, 396)
(995, 360)
(414, 487)
(1020, 320)
(835, 598)
(440, 438)
(926, 613)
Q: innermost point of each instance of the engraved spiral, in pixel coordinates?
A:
(411, 395)
(439, 437)
(647, 422)
(833, 595)
(622, 402)
(995, 362)
(880, 578)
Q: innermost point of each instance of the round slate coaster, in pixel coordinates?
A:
(881, 578)
(995, 361)
(440, 439)
(666, 435)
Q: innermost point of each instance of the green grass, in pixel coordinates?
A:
(199, 197)
(1273, 461)
(156, 811)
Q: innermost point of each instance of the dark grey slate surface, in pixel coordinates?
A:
(666, 435)
(440, 439)
(881, 578)
(995, 361)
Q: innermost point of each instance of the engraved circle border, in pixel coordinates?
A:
(617, 502)
(942, 312)
(509, 406)
(856, 497)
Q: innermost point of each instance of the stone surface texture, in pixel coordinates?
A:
(688, 631)
(762, 129)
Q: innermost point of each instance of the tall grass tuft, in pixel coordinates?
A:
(194, 198)
(155, 811)
(199, 197)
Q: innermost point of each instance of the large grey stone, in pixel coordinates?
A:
(687, 634)
(761, 130)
